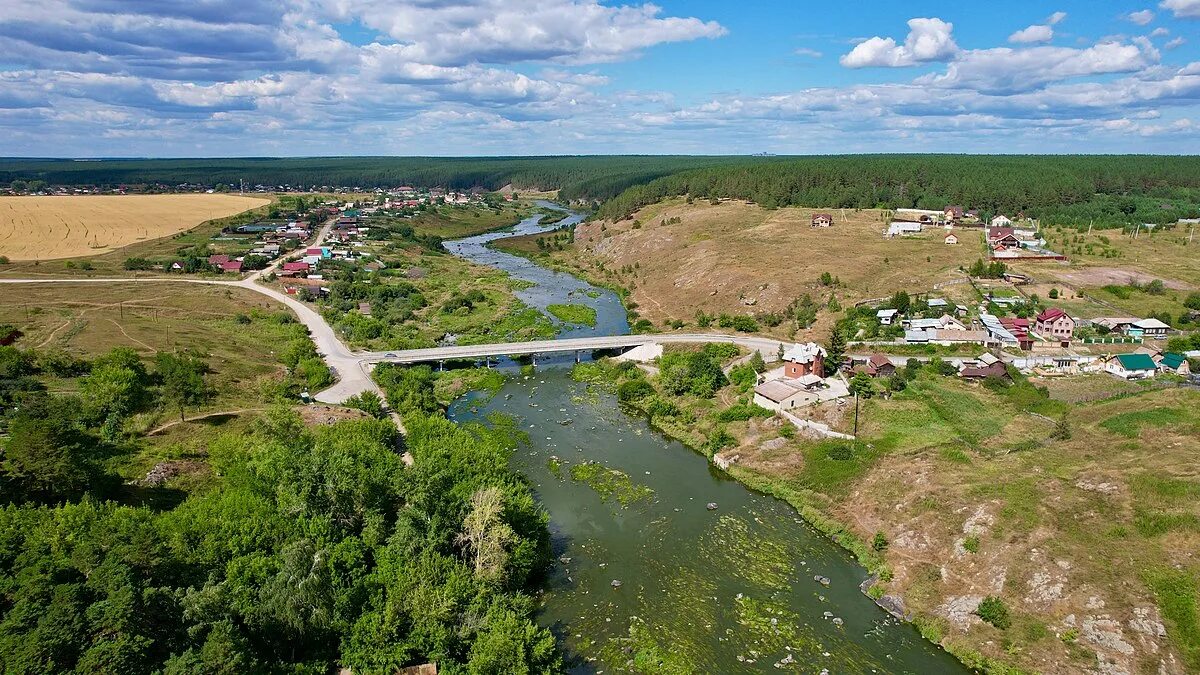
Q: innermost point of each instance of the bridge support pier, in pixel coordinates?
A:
(487, 360)
(576, 356)
(533, 360)
(441, 365)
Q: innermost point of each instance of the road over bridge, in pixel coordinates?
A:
(460, 352)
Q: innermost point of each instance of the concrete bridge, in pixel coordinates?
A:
(768, 347)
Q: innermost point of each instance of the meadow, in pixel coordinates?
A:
(48, 228)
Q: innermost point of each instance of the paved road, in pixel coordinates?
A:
(767, 346)
(353, 368)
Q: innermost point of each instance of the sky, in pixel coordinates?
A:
(207, 78)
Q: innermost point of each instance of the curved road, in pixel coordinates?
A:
(353, 368)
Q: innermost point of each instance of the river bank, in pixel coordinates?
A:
(575, 426)
(963, 494)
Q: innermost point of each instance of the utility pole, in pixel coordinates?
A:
(856, 415)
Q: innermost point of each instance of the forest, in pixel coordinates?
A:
(310, 548)
(1109, 191)
(1075, 190)
(579, 177)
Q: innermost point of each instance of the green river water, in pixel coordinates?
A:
(728, 590)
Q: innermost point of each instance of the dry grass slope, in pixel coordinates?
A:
(46, 228)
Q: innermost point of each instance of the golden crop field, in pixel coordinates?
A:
(44, 228)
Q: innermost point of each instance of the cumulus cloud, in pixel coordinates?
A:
(929, 39)
(1141, 18)
(1037, 33)
(1175, 43)
(1182, 9)
(1034, 33)
(506, 31)
(1004, 70)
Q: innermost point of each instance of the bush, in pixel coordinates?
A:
(994, 611)
(634, 390)
(880, 542)
(743, 412)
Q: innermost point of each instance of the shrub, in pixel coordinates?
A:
(880, 542)
(971, 544)
(634, 390)
(994, 611)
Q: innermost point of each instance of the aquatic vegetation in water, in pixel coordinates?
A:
(555, 465)
(576, 314)
(611, 483)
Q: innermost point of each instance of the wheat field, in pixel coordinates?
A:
(45, 228)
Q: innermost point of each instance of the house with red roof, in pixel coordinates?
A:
(218, 260)
(1054, 324)
(296, 267)
(1002, 237)
(822, 220)
(234, 266)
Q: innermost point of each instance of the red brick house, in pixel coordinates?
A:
(804, 359)
(822, 220)
(1054, 324)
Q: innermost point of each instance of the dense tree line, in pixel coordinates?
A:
(1075, 190)
(590, 177)
(312, 549)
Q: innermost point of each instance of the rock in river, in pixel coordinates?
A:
(616, 583)
(711, 506)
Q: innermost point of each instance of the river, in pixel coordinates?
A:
(746, 586)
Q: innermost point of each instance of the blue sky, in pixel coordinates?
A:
(102, 78)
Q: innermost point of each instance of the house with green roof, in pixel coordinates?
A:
(1173, 362)
(1131, 366)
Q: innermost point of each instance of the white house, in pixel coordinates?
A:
(1001, 221)
(886, 316)
(951, 239)
(1131, 366)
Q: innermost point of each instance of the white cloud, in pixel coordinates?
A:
(1141, 18)
(1006, 70)
(929, 39)
(1177, 42)
(1034, 33)
(511, 31)
(805, 51)
(1182, 9)
(1038, 33)
(1160, 32)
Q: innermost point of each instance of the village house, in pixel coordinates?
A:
(953, 212)
(1173, 362)
(951, 239)
(234, 266)
(822, 220)
(218, 260)
(1002, 237)
(804, 359)
(877, 365)
(994, 369)
(296, 267)
(1054, 324)
(886, 316)
(1001, 221)
(800, 382)
(1149, 329)
(1131, 366)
